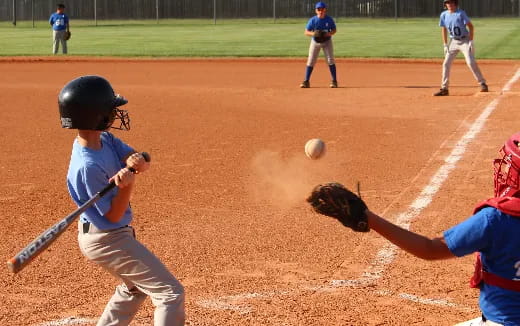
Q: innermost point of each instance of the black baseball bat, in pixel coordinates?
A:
(41, 242)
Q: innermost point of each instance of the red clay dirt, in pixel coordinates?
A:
(224, 203)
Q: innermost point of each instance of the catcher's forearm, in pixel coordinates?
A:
(416, 244)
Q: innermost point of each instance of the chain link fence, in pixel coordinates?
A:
(13, 10)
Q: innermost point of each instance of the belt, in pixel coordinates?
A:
(89, 227)
(459, 38)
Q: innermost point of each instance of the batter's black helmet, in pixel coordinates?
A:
(89, 103)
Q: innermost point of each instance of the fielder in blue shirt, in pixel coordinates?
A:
(457, 24)
(60, 28)
(321, 28)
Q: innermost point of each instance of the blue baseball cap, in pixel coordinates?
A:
(320, 5)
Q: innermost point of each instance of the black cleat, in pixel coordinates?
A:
(484, 88)
(305, 84)
(442, 92)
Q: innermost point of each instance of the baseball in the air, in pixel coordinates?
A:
(315, 148)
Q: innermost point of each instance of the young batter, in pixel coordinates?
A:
(88, 103)
(455, 21)
(492, 232)
(321, 28)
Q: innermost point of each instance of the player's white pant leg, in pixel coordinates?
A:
(453, 50)
(122, 255)
(328, 49)
(122, 307)
(472, 62)
(314, 51)
(63, 42)
(55, 42)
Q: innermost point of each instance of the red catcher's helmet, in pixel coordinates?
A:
(507, 169)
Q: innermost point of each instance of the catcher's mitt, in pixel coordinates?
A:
(320, 35)
(67, 35)
(334, 200)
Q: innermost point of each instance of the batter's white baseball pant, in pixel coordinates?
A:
(142, 273)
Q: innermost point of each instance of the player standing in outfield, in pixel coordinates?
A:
(454, 21)
(88, 103)
(60, 25)
(492, 232)
(321, 28)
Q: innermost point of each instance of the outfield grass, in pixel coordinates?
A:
(495, 38)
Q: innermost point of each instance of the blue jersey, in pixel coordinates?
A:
(89, 172)
(59, 22)
(455, 23)
(496, 236)
(315, 23)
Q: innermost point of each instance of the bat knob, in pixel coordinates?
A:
(146, 156)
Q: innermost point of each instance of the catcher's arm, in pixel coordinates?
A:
(416, 244)
(334, 200)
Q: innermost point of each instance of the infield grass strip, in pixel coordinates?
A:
(366, 38)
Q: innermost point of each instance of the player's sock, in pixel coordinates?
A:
(332, 69)
(308, 72)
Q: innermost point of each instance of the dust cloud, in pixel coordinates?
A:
(282, 182)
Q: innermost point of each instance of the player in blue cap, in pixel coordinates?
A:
(321, 28)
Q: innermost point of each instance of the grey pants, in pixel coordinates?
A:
(57, 38)
(454, 47)
(142, 273)
(314, 51)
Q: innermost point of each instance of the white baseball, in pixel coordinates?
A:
(315, 148)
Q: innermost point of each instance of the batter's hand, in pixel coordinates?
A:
(123, 178)
(138, 162)
(446, 49)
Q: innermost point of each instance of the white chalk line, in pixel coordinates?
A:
(69, 321)
(387, 254)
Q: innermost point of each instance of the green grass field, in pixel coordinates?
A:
(495, 38)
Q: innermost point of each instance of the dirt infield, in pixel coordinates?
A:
(223, 204)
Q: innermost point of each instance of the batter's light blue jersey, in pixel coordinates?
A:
(496, 236)
(89, 172)
(315, 23)
(455, 22)
(59, 22)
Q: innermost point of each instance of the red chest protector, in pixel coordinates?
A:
(510, 206)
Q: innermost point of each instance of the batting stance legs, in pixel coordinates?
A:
(314, 51)
(453, 49)
(142, 273)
